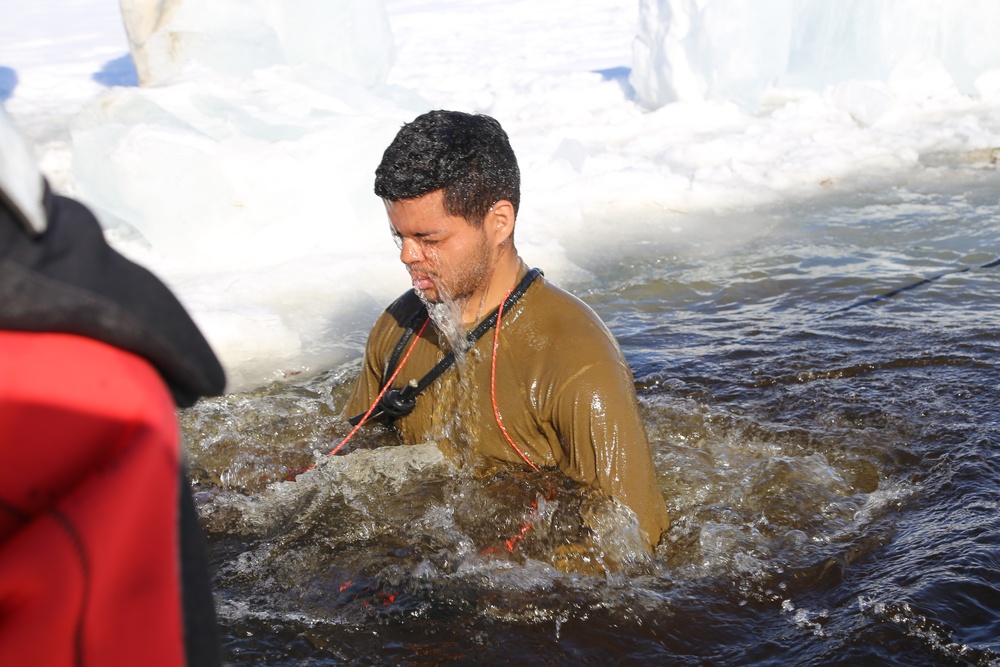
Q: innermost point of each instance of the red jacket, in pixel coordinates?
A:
(100, 547)
(89, 564)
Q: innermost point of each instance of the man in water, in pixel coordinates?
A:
(545, 385)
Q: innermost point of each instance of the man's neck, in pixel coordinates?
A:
(501, 281)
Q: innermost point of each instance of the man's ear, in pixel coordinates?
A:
(500, 221)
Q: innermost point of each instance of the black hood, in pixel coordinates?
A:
(69, 280)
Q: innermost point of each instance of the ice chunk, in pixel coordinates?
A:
(735, 49)
(237, 37)
(235, 173)
(20, 181)
(719, 49)
(665, 54)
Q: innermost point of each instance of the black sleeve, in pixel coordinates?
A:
(201, 634)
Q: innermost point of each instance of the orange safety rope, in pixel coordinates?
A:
(493, 387)
(526, 524)
(384, 389)
(291, 477)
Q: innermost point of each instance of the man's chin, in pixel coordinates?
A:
(429, 296)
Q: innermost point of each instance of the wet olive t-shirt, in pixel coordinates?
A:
(564, 392)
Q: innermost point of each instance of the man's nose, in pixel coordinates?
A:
(410, 252)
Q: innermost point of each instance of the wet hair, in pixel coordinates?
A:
(468, 156)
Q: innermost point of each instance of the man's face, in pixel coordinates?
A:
(447, 257)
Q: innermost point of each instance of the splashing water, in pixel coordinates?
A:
(831, 479)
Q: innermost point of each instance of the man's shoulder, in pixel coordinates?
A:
(391, 323)
(403, 310)
(562, 340)
(566, 303)
(557, 313)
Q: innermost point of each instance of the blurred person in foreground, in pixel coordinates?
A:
(544, 385)
(101, 559)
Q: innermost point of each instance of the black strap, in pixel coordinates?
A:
(906, 288)
(414, 324)
(397, 403)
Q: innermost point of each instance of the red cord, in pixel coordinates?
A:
(526, 524)
(493, 387)
(291, 477)
(384, 389)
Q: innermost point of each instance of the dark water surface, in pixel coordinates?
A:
(832, 476)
